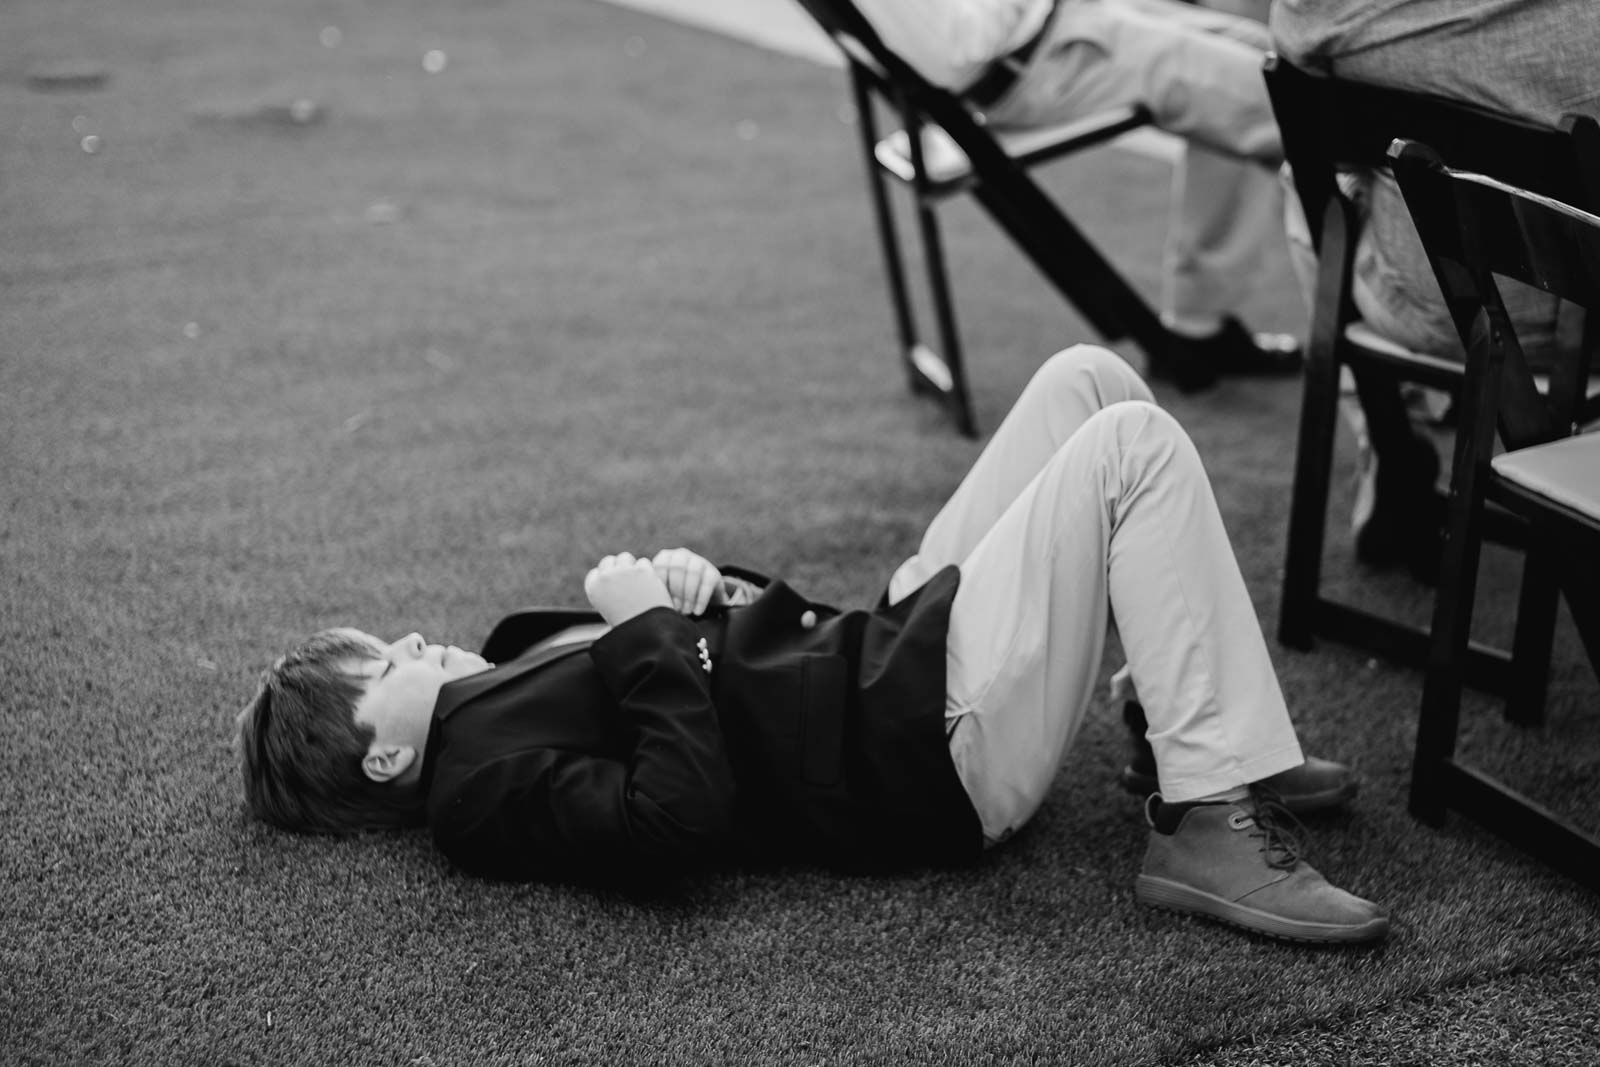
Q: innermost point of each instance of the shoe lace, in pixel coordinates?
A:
(1282, 834)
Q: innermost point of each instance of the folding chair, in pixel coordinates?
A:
(1328, 125)
(993, 168)
(1474, 228)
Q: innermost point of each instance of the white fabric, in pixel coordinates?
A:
(1090, 504)
(952, 42)
(1197, 71)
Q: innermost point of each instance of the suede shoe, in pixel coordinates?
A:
(1240, 864)
(1317, 785)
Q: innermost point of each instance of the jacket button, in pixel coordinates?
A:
(808, 620)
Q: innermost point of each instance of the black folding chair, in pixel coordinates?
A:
(1328, 125)
(1475, 228)
(994, 169)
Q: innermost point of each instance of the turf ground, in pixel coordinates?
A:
(600, 282)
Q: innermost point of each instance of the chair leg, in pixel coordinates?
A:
(1319, 417)
(946, 372)
(883, 213)
(1308, 509)
(1441, 690)
(1531, 643)
(955, 392)
(1439, 718)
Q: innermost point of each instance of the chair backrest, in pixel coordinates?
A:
(1329, 124)
(1475, 228)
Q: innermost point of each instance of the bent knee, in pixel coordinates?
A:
(1131, 442)
(1084, 358)
(1142, 416)
(1142, 426)
(1096, 369)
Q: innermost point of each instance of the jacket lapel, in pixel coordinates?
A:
(519, 631)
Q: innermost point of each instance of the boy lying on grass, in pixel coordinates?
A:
(694, 716)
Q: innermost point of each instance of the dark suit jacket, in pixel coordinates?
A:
(816, 735)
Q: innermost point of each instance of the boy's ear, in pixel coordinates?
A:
(385, 763)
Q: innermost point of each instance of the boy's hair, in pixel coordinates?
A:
(300, 746)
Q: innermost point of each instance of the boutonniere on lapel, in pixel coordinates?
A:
(705, 654)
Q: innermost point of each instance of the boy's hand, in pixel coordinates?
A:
(691, 580)
(620, 587)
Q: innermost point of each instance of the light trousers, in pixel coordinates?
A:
(1090, 505)
(1199, 74)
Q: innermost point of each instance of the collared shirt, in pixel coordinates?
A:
(952, 42)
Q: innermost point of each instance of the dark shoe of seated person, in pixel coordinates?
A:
(1240, 863)
(1405, 523)
(1195, 363)
(1317, 785)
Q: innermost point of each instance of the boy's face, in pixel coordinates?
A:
(403, 680)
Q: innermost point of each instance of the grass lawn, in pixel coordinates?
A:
(594, 282)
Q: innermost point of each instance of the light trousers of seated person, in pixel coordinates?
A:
(1090, 505)
(1198, 72)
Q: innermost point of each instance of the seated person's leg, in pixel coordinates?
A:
(1399, 518)
(1199, 74)
(1224, 227)
(1198, 82)
(1121, 522)
(1396, 517)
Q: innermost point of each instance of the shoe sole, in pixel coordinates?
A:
(1175, 896)
(1142, 785)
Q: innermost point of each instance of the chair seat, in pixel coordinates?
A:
(942, 156)
(947, 165)
(1565, 471)
(1440, 372)
(1360, 334)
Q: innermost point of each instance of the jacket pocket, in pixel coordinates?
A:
(823, 681)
